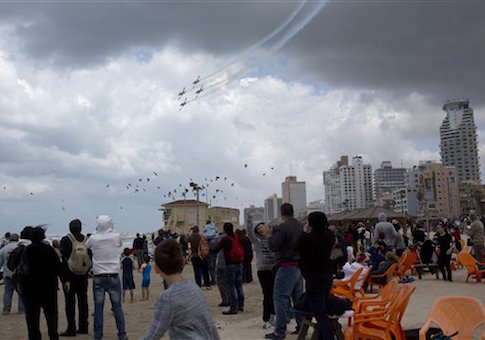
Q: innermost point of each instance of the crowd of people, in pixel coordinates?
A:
(294, 262)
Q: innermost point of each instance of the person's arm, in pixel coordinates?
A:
(251, 235)
(162, 319)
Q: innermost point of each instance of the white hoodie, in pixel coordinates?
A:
(106, 246)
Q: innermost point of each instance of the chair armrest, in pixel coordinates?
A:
(424, 329)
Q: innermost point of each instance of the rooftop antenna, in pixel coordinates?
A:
(290, 169)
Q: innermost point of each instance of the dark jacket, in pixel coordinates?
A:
(314, 249)
(284, 239)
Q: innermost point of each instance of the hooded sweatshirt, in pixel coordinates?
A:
(265, 257)
(106, 246)
(210, 231)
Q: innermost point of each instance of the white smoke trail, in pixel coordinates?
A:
(294, 23)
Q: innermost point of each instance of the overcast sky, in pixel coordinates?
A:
(89, 106)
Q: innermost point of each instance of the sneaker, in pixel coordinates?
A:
(274, 336)
(229, 312)
(267, 325)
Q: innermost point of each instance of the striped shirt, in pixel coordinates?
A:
(183, 311)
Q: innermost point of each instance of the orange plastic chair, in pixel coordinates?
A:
(364, 280)
(382, 324)
(472, 266)
(462, 314)
(411, 259)
(372, 301)
(346, 287)
(399, 272)
(387, 275)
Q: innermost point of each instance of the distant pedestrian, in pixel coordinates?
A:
(145, 270)
(220, 269)
(199, 264)
(7, 273)
(106, 245)
(127, 266)
(477, 236)
(138, 244)
(248, 257)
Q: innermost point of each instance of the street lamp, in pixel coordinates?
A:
(196, 187)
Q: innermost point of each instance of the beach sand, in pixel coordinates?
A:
(247, 325)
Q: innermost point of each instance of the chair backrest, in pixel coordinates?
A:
(401, 265)
(353, 279)
(364, 277)
(390, 271)
(457, 313)
(402, 302)
(468, 261)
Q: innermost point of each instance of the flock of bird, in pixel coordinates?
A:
(210, 189)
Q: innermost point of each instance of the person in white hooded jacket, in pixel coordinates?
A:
(106, 246)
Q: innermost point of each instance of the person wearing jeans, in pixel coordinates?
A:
(8, 281)
(106, 246)
(288, 281)
(102, 284)
(232, 271)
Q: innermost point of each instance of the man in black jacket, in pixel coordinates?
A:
(79, 284)
(288, 281)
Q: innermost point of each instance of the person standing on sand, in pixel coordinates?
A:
(288, 281)
(8, 280)
(106, 245)
(477, 236)
(181, 309)
(259, 235)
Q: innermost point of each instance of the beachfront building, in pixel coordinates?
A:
(347, 186)
(387, 179)
(294, 192)
(181, 215)
(458, 140)
(272, 208)
(221, 215)
(256, 213)
(438, 192)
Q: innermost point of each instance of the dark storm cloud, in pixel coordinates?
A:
(434, 48)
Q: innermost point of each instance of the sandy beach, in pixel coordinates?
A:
(247, 325)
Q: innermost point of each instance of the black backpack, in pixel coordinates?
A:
(21, 271)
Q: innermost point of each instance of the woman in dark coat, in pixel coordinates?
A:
(314, 248)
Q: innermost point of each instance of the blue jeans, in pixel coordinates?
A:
(107, 284)
(288, 283)
(233, 273)
(7, 296)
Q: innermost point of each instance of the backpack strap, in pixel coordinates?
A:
(74, 240)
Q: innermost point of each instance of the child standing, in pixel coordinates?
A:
(181, 309)
(128, 282)
(146, 270)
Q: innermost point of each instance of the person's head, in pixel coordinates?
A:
(104, 223)
(195, 229)
(286, 210)
(473, 215)
(208, 222)
(440, 228)
(391, 256)
(382, 217)
(146, 258)
(318, 221)
(75, 227)
(169, 258)
(228, 228)
(137, 235)
(126, 251)
(7, 236)
(37, 235)
(259, 229)
(14, 237)
(55, 244)
(26, 233)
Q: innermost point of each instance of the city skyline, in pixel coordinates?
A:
(90, 99)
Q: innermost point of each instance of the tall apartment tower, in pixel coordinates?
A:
(272, 208)
(387, 179)
(348, 187)
(257, 214)
(294, 192)
(458, 135)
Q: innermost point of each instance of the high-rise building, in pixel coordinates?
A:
(406, 198)
(294, 192)
(458, 146)
(348, 187)
(272, 208)
(257, 214)
(315, 206)
(438, 190)
(387, 179)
